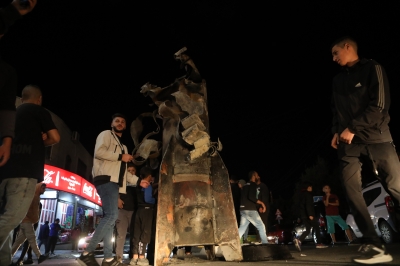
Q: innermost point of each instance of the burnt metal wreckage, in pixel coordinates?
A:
(195, 204)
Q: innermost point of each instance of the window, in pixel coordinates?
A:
(68, 162)
(371, 195)
(81, 168)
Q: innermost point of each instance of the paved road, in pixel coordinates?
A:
(338, 255)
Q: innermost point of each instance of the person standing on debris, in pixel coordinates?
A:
(331, 202)
(361, 101)
(307, 215)
(248, 208)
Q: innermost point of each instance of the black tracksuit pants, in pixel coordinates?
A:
(314, 223)
(386, 162)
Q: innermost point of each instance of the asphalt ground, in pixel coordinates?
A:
(340, 254)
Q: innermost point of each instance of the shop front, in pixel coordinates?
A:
(70, 198)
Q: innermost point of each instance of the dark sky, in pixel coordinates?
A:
(268, 68)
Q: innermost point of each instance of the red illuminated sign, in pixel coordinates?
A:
(89, 192)
(60, 179)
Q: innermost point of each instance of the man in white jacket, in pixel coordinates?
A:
(110, 177)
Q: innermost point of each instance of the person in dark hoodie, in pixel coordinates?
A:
(307, 215)
(360, 128)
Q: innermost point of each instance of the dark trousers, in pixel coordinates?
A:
(386, 163)
(314, 223)
(142, 229)
(43, 242)
(25, 249)
(51, 244)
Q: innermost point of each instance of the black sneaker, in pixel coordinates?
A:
(28, 261)
(87, 260)
(42, 258)
(371, 254)
(114, 262)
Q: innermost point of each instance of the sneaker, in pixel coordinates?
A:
(143, 261)
(87, 260)
(297, 244)
(371, 254)
(42, 258)
(28, 261)
(133, 261)
(321, 246)
(114, 262)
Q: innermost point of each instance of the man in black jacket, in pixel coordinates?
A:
(361, 100)
(248, 208)
(307, 215)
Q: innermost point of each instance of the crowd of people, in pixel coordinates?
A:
(361, 101)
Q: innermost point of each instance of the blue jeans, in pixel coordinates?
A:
(247, 217)
(16, 195)
(109, 194)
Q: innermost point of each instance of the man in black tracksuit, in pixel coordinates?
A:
(307, 215)
(361, 101)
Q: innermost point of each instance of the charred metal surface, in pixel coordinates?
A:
(193, 215)
(227, 237)
(165, 227)
(195, 205)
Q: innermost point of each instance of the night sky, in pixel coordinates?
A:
(268, 69)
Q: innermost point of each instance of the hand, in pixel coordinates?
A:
(120, 204)
(23, 10)
(311, 218)
(126, 157)
(263, 208)
(44, 136)
(5, 150)
(346, 136)
(335, 141)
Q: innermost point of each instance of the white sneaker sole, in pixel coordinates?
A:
(375, 260)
